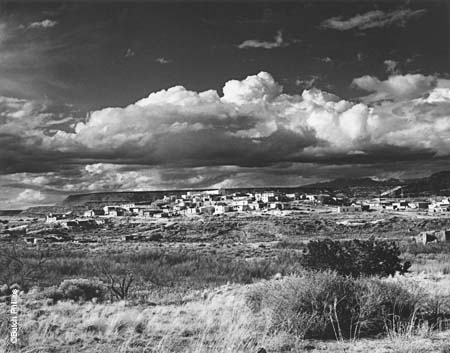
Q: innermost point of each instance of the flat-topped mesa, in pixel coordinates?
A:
(104, 198)
(436, 184)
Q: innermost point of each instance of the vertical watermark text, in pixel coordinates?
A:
(14, 310)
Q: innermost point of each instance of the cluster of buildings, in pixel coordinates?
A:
(398, 204)
(218, 201)
(431, 206)
(69, 220)
(214, 202)
(441, 206)
(211, 202)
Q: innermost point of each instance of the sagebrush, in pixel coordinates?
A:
(329, 305)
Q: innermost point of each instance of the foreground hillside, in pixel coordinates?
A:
(234, 283)
(217, 320)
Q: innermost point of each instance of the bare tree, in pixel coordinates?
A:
(118, 284)
(16, 266)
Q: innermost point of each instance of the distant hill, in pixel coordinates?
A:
(101, 199)
(436, 184)
(354, 187)
(342, 183)
(9, 212)
(42, 211)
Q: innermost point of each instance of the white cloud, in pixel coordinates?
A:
(99, 168)
(256, 43)
(372, 19)
(252, 89)
(255, 122)
(438, 95)
(163, 61)
(30, 196)
(396, 87)
(43, 24)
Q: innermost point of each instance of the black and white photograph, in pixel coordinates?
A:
(224, 176)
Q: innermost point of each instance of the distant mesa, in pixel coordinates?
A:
(436, 184)
(7, 213)
(101, 199)
(354, 182)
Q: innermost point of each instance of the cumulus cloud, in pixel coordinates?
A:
(238, 134)
(396, 87)
(256, 43)
(43, 24)
(372, 19)
(255, 123)
(253, 89)
(30, 196)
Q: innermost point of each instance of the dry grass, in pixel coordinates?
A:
(220, 323)
(191, 319)
(216, 321)
(431, 264)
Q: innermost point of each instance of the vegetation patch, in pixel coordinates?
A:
(355, 257)
(328, 305)
(78, 290)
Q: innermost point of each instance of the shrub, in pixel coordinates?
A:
(82, 289)
(4, 290)
(328, 305)
(386, 306)
(16, 266)
(354, 258)
(53, 293)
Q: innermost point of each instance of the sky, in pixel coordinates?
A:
(111, 96)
